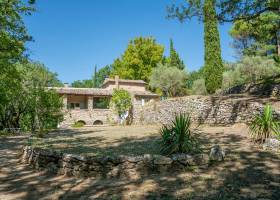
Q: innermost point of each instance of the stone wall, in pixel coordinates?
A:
(108, 166)
(88, 116)
(221, 110)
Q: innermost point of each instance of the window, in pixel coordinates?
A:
(101, 102)
(74, 105)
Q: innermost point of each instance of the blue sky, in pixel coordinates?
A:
(71, 36)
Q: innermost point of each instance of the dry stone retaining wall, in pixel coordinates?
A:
(222, 110)
(108, 166)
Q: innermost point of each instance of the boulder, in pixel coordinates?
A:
(271, 144)
(217, 153)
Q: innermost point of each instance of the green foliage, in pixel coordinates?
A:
(31, 106)
(257, 36)
(101, 102)
(13, 33)
(78, 124)
(121, 101)
(213, 69)
(101, 74)
(138, 60)
(193, 76)
(82, 84)
(198, 87)
(175, 60)
(227, 10)
(177, 137)
(24, 101)
(264, 125)
(170, 80)
(13, 36)
(249, 70)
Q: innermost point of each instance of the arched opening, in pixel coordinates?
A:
(97, 122)
(82, 122)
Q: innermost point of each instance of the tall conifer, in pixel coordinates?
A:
(213, 65)
(174, 57)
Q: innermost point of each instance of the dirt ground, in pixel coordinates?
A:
(247, 173)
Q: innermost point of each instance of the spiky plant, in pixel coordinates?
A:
(177, 137)
(264, 125)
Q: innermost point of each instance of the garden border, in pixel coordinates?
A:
(109, 166)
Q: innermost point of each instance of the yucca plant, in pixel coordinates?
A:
(177, 137)
(264, 125)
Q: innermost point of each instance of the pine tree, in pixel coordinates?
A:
(213, 66)
(174, 57)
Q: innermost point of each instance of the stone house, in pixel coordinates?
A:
(91, 105)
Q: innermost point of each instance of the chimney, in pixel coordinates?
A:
(66, 85)
(117, 82)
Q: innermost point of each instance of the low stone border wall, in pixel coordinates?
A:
(109, 166)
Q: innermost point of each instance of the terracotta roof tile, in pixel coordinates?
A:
(96, 91)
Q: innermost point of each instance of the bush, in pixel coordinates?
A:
(121, 102)
(250, 69)
(198, 87)
(177, 137)
(170, 80)
(264, 125)
(78, 124)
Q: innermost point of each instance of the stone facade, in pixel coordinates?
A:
(89, 116)
(108, 166)
(90, 105)
(223, 110)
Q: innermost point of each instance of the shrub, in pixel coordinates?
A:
(170, 80)
(250, 69)
(121, 102)
(198, 87)
(264, 125)
(78, 124)
(177, 137)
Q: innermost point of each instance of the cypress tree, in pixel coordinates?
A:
(174, 57)
(94, 77)
(213, 66)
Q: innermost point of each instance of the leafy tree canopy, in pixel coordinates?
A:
(101, 74)
(88, 83)
(227, 10)
(249, 69)
(121, 101)
(13, 33)
(257, 36)
(170, 80)
(138, 60)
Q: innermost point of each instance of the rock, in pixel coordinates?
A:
(162, 160)
(216, 153)
(134, 159)
(271, 144)
(182, 158)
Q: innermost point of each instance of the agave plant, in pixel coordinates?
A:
(264, 125)
(177, 137)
